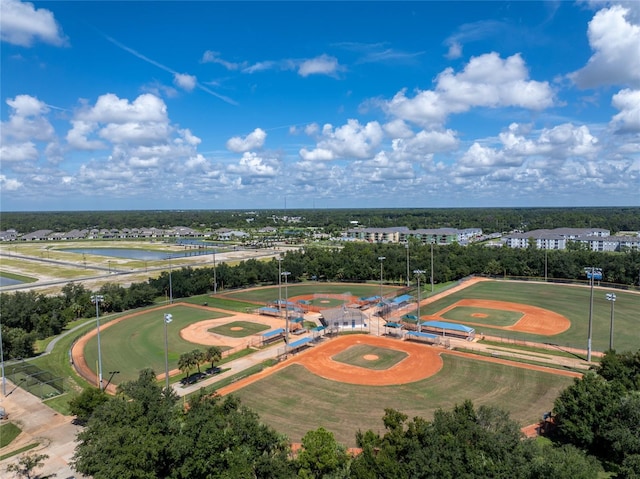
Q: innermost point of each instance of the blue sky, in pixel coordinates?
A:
(225, 105)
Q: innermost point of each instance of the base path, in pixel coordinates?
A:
(534, 320)
(420, 363)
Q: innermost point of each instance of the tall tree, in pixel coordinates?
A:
(322, 456)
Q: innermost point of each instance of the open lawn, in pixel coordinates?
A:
(239, 329)
(295, 401)
(569, 301)
(220, 302)
(265, 295)
(138, 342)
(370, 357)
(482, 315)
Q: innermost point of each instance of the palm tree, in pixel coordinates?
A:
(185, 362)
(197, 358)
(213, 354)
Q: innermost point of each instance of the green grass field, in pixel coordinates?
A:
(295, 401)
(137, 343)
(493, 316)
(248, 328)
(264, 295)
(570, 301)
(355, 356)
(326, 302)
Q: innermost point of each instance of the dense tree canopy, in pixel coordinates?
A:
(600, 413)
(489, 219)
(146, 433)
(463, 443)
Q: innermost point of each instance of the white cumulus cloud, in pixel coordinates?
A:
(22, 23)
(486, 81)
(628, 102)
(352, 140)
(111, 109)
(18, 152)
(252, 166)
(616, 45)
(9, 184)
(27, 120)
(254, 140)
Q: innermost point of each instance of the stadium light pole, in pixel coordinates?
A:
(286, 309)
(170, 283)
(418, 273)
(97, 299)
(407, 246)
(611, 297)
(591, 272)
(215, 277)
(381, 259)
(167, 319)
(4, 381)
(432, 267)
(279, 286)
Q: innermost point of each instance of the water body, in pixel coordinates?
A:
(139, 254)
(4, 281)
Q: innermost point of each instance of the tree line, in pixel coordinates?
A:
(27, 316)
(146, 432)
(331, 220)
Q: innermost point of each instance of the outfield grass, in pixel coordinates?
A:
(295, 401)
(326, 302)
(248, 329)
(221, 302)
(570, 301)
(354, 355)
(137, 343)
(496, 317)
(265, 295)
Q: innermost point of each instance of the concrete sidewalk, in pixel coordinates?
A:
(54, 433)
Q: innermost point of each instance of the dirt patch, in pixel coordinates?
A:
(534, 320)
(480, 315)
(199, 333)
(370, 357)
(421, 362)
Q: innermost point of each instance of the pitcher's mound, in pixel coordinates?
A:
(236, 328)
(479, 315)
(370, 357)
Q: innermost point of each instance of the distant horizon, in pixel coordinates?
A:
(318, 105)
(176, 210)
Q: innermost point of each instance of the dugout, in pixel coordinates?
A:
(445, 329)
(267, 311)
(393, 329)
(402, 301)
(272, 336)
(344, 319)
(422, 337)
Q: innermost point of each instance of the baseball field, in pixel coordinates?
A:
(344, 384)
